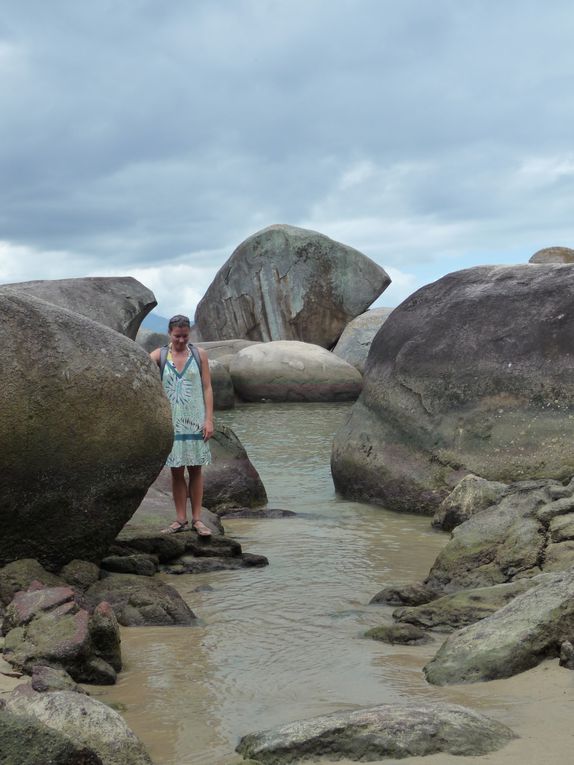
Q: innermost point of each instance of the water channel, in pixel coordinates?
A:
(286, 642)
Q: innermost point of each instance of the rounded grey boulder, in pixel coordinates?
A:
(85, 429)
(118, 302)
(354, 344)
(388, 730)
(471, 374)
(287, 370)
(288, 283)
(553, 255)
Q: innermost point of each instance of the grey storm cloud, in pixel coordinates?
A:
(139, 133)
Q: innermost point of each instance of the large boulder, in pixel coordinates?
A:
(119, 302)
(472, 374)
(82, 719)
(288, 283)
(532, 627)
(553, 255)
(387, 731)
(354, 344)
(85, 429)
(287, 370)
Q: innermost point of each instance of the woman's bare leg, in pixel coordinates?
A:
(196, 496)
(180, 492)
(195, 490)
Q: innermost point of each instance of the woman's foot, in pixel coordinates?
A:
(200, 528)
(175, 527)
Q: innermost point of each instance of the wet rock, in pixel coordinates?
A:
(287, 370)
(451, 612)
(51, 679)
(553, 255)
(140, 601)
(84, 720)
(469, 496)
(48, 627)
(531, 628)
(288, 283)
(168, 547)
(354, 344)
(497, 545)
(142, 565)
(118, 302)
(458, 381)
(402, 634)
(567, 655)
(188, 564)
(231, 480)
(25, 740)
(406, 595)
(80, 573)
(249, 512)
(386, 731)
(74, 466)
(222, 385)
(20, 574)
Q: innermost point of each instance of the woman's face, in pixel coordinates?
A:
(179, 338)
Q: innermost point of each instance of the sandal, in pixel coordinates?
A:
(200, 528)
(175, 528)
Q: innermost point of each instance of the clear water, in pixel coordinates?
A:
(284, 642)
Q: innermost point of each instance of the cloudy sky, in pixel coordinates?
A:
(149, 138)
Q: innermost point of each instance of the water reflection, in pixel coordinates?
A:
(284, 642)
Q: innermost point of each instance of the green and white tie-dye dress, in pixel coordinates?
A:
(185, 393)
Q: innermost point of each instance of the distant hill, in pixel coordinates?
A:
(155, 322)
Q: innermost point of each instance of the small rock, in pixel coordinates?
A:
(405, 595)
(46, 679)
(402, 634)
(567, 655)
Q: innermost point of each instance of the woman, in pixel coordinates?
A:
(187, 384)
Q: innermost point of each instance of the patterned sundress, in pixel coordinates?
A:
(185, 393)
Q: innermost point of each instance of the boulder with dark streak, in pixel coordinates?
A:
(288, 283)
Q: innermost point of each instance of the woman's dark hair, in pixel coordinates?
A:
(178, 321)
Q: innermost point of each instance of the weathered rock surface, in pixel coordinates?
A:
(471, 495)
(354, 344)
(81, 719)
(515, 638)
(401, 634)
(46, 679)
(451, 612)
(405, 595)
(389, 730)
(26, 740)
(553, 255)
(506, 541)
(222, 386)
(47, 626)
(287, 370)
(187, 553)
(231, 480)
(471, 374)
(224, 350)
(141, 600)
(288, 283)
(85, 430)
(118, 302)
(20, 574)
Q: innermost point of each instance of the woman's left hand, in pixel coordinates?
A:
(207, 430)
